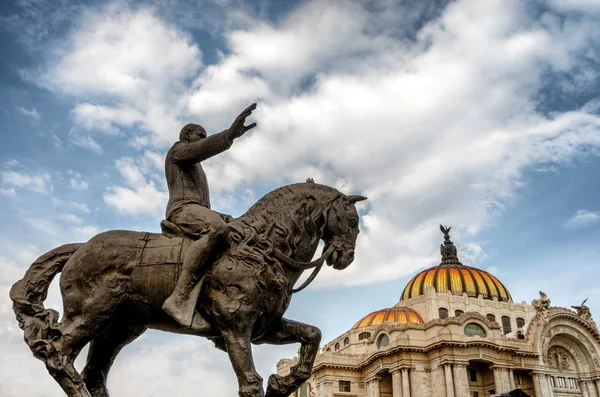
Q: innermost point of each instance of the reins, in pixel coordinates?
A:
(302, 266)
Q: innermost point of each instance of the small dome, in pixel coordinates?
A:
(402, 315)
(453, 276)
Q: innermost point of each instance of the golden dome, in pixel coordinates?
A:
(456, 278)
(402, 315)
(453, 276)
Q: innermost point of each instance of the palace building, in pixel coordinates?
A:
(456, 332)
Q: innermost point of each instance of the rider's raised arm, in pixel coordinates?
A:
(203, 149)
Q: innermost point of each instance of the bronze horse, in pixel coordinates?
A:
(113, 287)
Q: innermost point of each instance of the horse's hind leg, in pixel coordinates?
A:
(102, 353)
(87, 314)
(73, 333)
(290, 331)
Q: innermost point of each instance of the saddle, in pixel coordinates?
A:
(169, 229)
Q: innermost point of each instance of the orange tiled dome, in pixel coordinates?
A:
(457, 278)
(453, 276)
(402, 315)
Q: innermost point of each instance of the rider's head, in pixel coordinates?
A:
(192, 132)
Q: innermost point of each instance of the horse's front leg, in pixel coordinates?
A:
(240, 354)
(290, 331)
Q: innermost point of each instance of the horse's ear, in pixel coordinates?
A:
(355, 198)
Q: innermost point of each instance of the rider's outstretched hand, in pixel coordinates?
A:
(238, 128)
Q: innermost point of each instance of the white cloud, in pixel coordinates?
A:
(435, 127)
(140, 196)
(40, 183)
(8, 192)
(32, 113)
(85, 141)
(70, 218)
(76, 181)
(582, 218)
(126, 66)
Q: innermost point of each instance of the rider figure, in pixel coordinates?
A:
(189, 208)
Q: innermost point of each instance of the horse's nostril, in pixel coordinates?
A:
(351, 253)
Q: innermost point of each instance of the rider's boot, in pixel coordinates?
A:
(181, 305)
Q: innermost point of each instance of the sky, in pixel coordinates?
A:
(480, 115)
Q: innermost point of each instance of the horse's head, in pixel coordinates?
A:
(341, 230)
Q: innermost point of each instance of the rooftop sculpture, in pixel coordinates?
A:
(207, 274)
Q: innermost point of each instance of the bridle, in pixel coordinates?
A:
(317, 264)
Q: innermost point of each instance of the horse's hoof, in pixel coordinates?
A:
(275, 387)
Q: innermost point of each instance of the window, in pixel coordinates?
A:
(520, 322)
(506, 328)
(520, 335)
(491, 317)
(518, 379)
(473, 329)
(443, 312)
(572, 383)
(473, 375)
(458, 313)
(345, 385)
(346, 341)
(364, 335)
(552, 381)
(475, 394)
(337, 346)
(561, 381)
(383, 340)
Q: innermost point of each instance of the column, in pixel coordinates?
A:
(405, 383)
(376, 387)
(548, 385)
(449, 382)
(369, 388)
(396, 383)
(461, 380)
(584, 389)
(511, 379)
(597, 382)
(537, 387)
(497, 379)
(328, 389)
(591, 388)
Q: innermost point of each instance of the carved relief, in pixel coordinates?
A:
(583, 311)
(558, 358)
(541, 307)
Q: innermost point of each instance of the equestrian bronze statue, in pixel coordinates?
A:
(114, 287)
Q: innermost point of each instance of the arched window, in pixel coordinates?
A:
(364, 335)
(473, 329)
(490, 317)
(337, 346)
(520, 322)
(458, 313)
(506, 327)
(346, 341)
(443, 312)
(383, 341)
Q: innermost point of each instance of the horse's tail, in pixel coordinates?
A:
(29, 293)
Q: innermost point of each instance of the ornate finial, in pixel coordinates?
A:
(583, 311)
(310, 180)
(541, 307)
(448, 250)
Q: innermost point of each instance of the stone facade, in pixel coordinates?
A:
(544, 351)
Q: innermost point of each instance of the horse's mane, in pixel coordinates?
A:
(287, 211)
